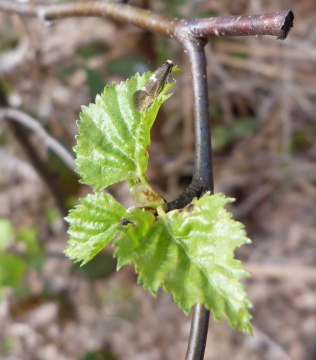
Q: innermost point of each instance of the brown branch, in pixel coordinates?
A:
(276, 24)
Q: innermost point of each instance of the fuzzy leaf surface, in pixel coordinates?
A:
(190, 253)
(113, 137)
(92, 225)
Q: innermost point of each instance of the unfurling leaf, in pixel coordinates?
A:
(145, 195)
(113, 137)
(93, 224)
(190, 253)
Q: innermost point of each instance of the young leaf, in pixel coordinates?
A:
(93, 224)
(176, 69)
(113, 137)
(145, 195)
(190, 253)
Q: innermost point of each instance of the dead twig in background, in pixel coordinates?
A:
(35, 126)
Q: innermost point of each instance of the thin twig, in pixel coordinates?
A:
(35, 126)
(40, 166)
(276, 24)
(203, 171)
(198, 333)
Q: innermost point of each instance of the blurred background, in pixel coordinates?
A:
(262, 110)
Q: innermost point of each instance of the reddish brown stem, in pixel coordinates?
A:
(278, 24)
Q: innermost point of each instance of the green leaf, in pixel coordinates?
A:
(113, 137)
(190, 253)
(176, 69)
(93, 224)
(12, 270)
